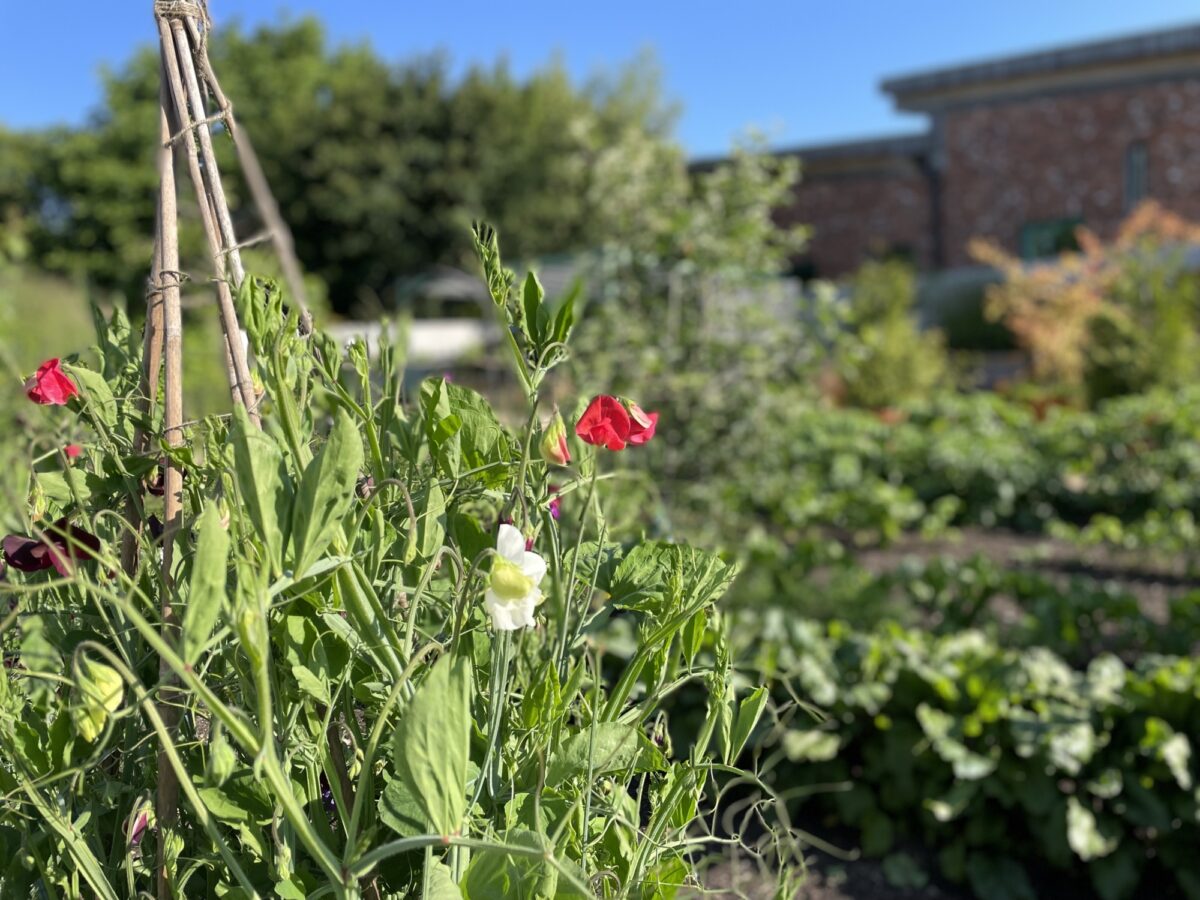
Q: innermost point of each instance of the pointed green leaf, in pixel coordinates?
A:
(433, 743)
(748, 714)
(326, 493)
(207, 593)
(537, 320)
(258, 464)
(614, 747)
(97, 395)
(497, 875)
(441, 884)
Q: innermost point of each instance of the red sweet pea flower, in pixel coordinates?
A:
(613, 422)
(50, 386)
(64, 544)
(72, 450)
(605, 423)
(641, 424)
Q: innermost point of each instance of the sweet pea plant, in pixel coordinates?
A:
(390, 673)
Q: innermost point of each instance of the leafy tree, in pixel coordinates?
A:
(377, 167)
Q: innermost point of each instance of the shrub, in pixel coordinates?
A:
(885, 359)
(1113, 318)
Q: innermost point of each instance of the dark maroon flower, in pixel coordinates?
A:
(64, 544)
(156, 484)
(26, 554)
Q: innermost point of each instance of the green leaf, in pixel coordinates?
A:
(615, 747)
(663, 881)
(56, 486)
(748, 714)
(400, 810)
(441, 884)
(810, 745)
(643, 579)
(952, 804)
(441, 425)
(998, 878)
(1116, 876)
(430, 532)
(207, 594)
(223, 807)
(904, 872)
(1084, 833)
(97, 395)
(543, 699)
(432, 744)
(944, 732)
(311, 684)
(692, 638)
(258, 467)
(326, 492)
(498, 875)
(537, 320)
(564, 319)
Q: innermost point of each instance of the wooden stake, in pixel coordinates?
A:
(167, 801)
(260, 189)
(239, 376)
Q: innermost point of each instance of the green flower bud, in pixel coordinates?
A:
(554, 442)
(221, 758)
(97, 693)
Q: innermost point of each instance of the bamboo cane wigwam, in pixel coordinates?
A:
(187, 79)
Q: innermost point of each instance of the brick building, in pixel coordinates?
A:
(1020, 150)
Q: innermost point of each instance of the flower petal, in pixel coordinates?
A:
(533, 567)
(26, 554)
(501, 612)
(510, 544)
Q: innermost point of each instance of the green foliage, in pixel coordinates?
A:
(347, 718)
(1146, 336)
(687, 313)
(378, 168)
(887, 359)
(1008, 760)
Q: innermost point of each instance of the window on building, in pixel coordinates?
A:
(1135, 175)
(1049, 237)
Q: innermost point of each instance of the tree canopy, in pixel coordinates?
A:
(378, 167)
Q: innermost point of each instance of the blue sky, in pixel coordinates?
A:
(803, 71)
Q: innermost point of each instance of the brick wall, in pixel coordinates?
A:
(1012, 162)
(857, 213)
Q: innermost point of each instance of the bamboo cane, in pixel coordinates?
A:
(239, 374)
(256, 180)
(167, 800)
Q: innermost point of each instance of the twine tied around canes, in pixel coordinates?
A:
(182, 9)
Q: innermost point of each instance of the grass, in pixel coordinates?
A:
(44, 316)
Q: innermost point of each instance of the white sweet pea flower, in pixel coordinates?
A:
(513, 593)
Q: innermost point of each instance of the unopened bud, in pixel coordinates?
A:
(554, 442)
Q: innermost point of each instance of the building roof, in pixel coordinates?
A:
(888, 145)
(1164, 49)
(880, 147)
